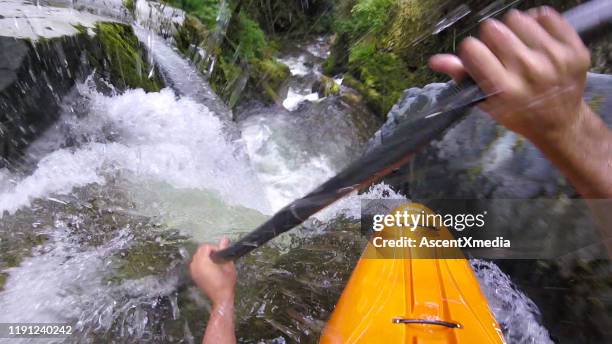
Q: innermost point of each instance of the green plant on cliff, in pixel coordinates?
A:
(368, 16)
(243, 52)
(250, 38)
(376, 71)
(383, 75)
(124, 56)
(205, 10)
(384, 45)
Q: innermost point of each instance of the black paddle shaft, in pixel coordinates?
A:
(396, 149)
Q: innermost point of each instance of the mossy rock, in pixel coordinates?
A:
(123, 55)
(381, 76)
(147, 258)
(268, 75)
(326, 87)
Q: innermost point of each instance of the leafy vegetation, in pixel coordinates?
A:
(374, 46)
(384, 44)
(291, 18)
(242, 51)
(205, 10)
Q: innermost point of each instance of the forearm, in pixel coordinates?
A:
(220, 328)
(583, 153)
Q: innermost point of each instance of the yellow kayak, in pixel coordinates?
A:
(407, 299)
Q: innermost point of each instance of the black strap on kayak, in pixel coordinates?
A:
(398, 148)
(426, 322)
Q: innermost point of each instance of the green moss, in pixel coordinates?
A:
(369, 16)
(224, 77)
(380, 76)
(379, 36)
(474, 172)
(150, 257)
(251, 39)
(80, 28)
(3, 277)
(123, 56)
(130, 5)
(268, 75)
(328, 87)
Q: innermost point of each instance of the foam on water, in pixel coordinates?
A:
(286, 171)
(516, 313)
(155, 136)
(65, 282)
(294, 99)
(350, 206)
(296, 65)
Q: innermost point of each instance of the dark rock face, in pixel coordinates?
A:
(35, 76)
(478, 158)
(33, 79)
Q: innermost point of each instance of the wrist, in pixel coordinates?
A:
(572, 127)
(223, 302)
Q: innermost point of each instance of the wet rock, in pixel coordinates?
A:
(308, 280)
(43, 52)
(478, 158)
(159, 17)
(267, 77)
(326, 87)
(39, 74)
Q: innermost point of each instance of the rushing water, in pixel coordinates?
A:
(98, 230)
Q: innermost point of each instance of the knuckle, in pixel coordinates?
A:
(558, 58)
(583, 58)
(513, 90)
(529, 62)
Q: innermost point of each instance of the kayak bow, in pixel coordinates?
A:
(407, 299)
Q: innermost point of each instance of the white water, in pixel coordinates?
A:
(157, 137)
(513, 310)
(285, 174)
(296, 65)
(171, 156)
(295, 98)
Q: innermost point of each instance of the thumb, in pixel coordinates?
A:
(448, 64)
(224, 243)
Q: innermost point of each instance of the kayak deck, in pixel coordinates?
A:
(411, 300)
